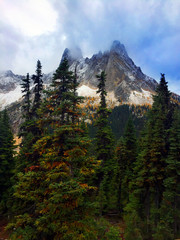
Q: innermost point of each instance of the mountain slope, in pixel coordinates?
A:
(10, 88)
(124, 78)
(125, 81)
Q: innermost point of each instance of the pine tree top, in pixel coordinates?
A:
(162, 93)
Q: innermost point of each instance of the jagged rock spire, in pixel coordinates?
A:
(119, 48)
(72, 55)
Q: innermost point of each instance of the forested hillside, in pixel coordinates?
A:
(112, 176)
(119, 116)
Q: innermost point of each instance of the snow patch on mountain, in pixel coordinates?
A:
(86, 91)
(112, 99)
(131, 77)
(6, 80)
(9, 77)
(140, 98)
(10, 97)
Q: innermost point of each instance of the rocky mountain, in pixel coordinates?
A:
(8, 81)
(125, 81)
(10, 89)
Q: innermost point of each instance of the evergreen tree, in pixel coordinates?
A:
(76, 100)
(63, 93)
(119, 116)
(26, 94)
(30, 132)
(126, 153)
(37, 88)
(130, 145)
(169, 226)
(104, 139)
(7, 163)
(150, 168)
(56, 189)
(26, 111)
(120, 153)
(104, 149)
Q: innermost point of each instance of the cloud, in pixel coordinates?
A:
(10, 41)
(30, 17)
(150, 31)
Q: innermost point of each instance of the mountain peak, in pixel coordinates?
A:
(72, 54)
(7, 73)
(119, 48)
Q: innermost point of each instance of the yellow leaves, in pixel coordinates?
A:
(84, 185)
(66, 153)
(174, 100)
(75, 152)
(87, 171)
(50, 107)
(57, 165)
(92, 115)
(44, 210)
(41, 144)
(83, 114)
(91, 167)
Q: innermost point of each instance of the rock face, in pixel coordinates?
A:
(72, 55)
(9, 81)
(124, 78)
(10, 88)
(125, 81)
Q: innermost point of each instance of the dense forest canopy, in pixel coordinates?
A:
(114, 178)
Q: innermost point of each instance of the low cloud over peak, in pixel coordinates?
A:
(149, 30)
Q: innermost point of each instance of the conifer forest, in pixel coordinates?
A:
(85, 173)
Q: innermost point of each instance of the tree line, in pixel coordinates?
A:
(63, 185)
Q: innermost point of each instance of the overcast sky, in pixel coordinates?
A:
(42, 29)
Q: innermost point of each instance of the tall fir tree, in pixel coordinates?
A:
(29, 130)
(150, 168)
(120, 154)
(104, 149)
(26, 107)
(169, 225)
(7, 163)
(126, 153)
(37, 88)
(56, 190)
(130, 142)
(104, 138)
(26, 94)
(75, 99)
